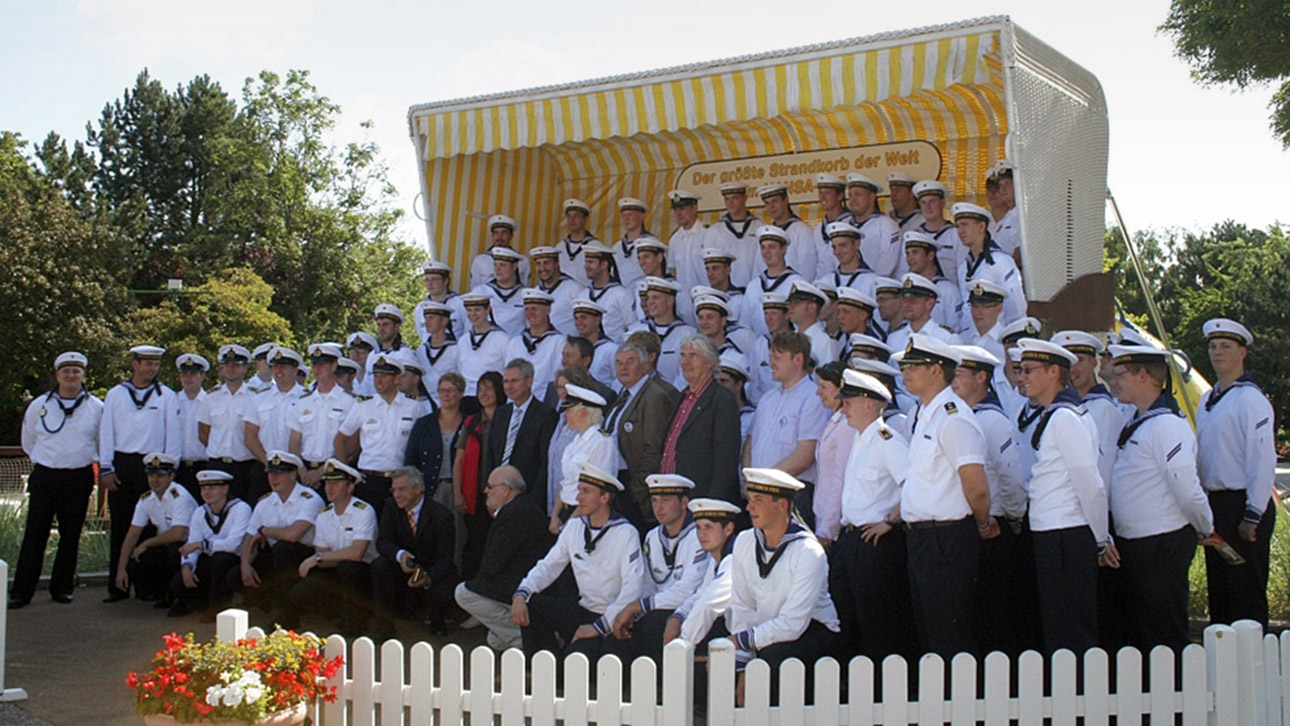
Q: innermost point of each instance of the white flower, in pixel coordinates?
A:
(233, 696)
(213, 695)
(253, 693)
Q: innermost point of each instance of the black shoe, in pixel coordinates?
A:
(16, 603)
(62, 598)
(179, 609)
(116, 597)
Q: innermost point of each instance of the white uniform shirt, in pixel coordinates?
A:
(143, 424)
(616, 299)
(683, 306)
(949, 248)
(589, 447)
(778, 607)
(785, 418)
(674, 567)
(202, 527)
(543, 351)
(565, 291)
(752, 316)
(603, 366)
(481, 269)
(824, 349)
(301, 505)
(458, 322)
(318, 416)
(1154, 485)
(999, 268)
(58, 442)
(1234, 434)
(880, 246)
(685, 255)
(875, 472)
(336, 531)
(383, 429)
(172, 508)
(480, 353)
(572, 263)
(762, 380)
(271, 411)
(606, 565)
(825, 261)
(950, 306)
(1007, 232)
(436, 362)
(738, 239)
(669, 357)
(225, 414)
(257, 384)
(711, 601)
(507, 305)
(1065, 489)
(1109, 420)
(189, 409)
(899, 337)
(911, 221)
(944, 436)
(1026, 418)
(629, 269)
(801, 251)
(1002, 471)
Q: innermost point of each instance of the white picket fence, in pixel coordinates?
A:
(1238, 677)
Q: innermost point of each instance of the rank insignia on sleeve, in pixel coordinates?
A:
(951, 408)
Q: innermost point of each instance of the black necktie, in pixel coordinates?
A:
(611, 422)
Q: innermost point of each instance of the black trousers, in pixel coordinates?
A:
(257, 482)
(996, 602)
(553, 619)
(816, 642)
(186, 476)
(240, 487)
(477, 526)
(374, 489)
(1239, 592)
(869, 585)
(626, 505)
(395, 599)
(943, 561)
(278, 568)
(131, 483)
(212, 592)
(342, 592)
(61, 493)
(1028, 632)
(1156, 568)
(1066, 569)
(156, 567)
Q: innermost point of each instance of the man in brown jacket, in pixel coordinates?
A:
(638, 420)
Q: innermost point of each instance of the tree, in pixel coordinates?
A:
(1245, 42)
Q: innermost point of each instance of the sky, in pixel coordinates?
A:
(1181, 155)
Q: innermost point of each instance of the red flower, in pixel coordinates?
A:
(132, 680)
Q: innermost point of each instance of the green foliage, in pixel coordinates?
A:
(1278, 575)
(92, 555)
(1245, 42)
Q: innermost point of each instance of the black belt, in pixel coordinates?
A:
(231, 460)
(368, 474)
(935, 523)
(313, 464)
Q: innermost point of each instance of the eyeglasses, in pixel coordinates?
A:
(906, 365)
(1029, 370)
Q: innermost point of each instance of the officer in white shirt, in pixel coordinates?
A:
(801, 238)
(603, 551)
(919, 298)
(337, 579)
(506, 290)
(215, 534)
(985, 261)
(1093, 395)
(539, 342)
(1158, 507)
(501, 230)
(880, 246)
(779, 575)
(221, 421)
(1068, 502)
(163, 513)
(855, 316)
(483, 349)
(945, 501)
(438, 282)
(192, 452)
(278, 538)
(868, 578)
(922, 255)
(1006, 230)
(702, 617)
(832, 194)
(1236, 459)
(560, 286)
(688, 239)
(379, 427)
(804, 303)
(606, 291)
(1014, 399)
(776, 276)
(319, 413)
(736, 232)
(576, 213)
(660, 303)
(358, 348)
(140, 415)
(439, 349)
(985, 301)
(628, 269)
(60, 435)
(931, 196)
(675, 563)
(266, 418)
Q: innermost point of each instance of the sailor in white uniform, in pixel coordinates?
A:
(832, 194)
(1006, 231)
(777, 277)
(855, 316)
(506, 290)
(633, 213)
(607, 292)
(483, 348)
(439, 349)
(576, 214)
(804, 303)
(775, 316)
(215, 535)
(501, 230)
(378, 428)
(849, 269)
(688, 239)
(563, 288)
(539, 342)
(651, 255)
(583, 411)
(358, 348)
(588, 318)
(880, 246)
(702, 616)
(736, 232)
(716, 265)
(985, 261)
(919, 297)
(905, 210)
(660, 297)
(801, 238)
(713, 315)
(922, 255)
(931, 196)
(319, 413)
(192, 453)
(438, 282)
(1093, 395)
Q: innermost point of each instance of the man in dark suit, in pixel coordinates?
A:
(517, 539)
(520, 434)
(415, 542)
(638, 420)
(578, 353)
(702, 438)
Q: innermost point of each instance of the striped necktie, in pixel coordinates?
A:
(512, 430)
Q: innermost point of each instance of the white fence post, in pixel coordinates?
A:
(1249, 672)
(230, 625)
(678, 683)
(6, 694)
(1221, 674)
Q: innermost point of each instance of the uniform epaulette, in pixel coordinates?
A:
(306, 494)
(885, 432)
(174, 493)
(262, 497)
(324, 509)
(359, 504)
(361, 398)
(308, 393)
(145, 495)
(902, 326)
(263, 390)
(947, 328)
(950, 408)
(218, 387)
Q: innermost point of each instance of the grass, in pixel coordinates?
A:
(92, 555)
(1278, 575)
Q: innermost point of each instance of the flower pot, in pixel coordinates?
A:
(290, 717)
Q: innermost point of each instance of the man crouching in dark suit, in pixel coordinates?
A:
(415, 542)
(518, 538)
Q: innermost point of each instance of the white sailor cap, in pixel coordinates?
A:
(284, 356)
(501, 220)
(408, 359)
(968, 210)
(733, 188)
(987, 291)
(869, 345)
(387, 363)
(886, 284)
(915, 285)
(191, 363)
(320, 352)
(774, 301)
(773, 482)
(1043, 351)
(771, 190)
(505, 254)
(1078, 341)
(572, 203)
(918, 238)
(895, 177)
(71, 358)
(597, 477)
(234, 353)
(860, 180)
(805, 291)
(661, 284)
(434, 307)
(263, 349)
(712, 254)
(855, 384)
(580, 396)
(827, 287)
(716, 509)
(1014, 355)
(476, 300)
(876, 368)
(1227, 329)
(345, 364)
(627, 203)
(360, 338)
(699, 291)
(302, 371)
(669, 484)
(388, 310)
(544, 251)
(930, 186)
(733, 363)
(534, 296)
(439, 268)
(596, 248)
(841, 229)
(278, 460)
(583, 305)
(711, 302)
(335, 469)
(770, 231)
(214, 477)
(923, 349)
(1026, 327)
(159, 463)
(976, 358)
(651, 244)
(1129, 336)
(829, 181)
(1121, 354)
(1003, 168)
(147, 352)
(682, 198)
